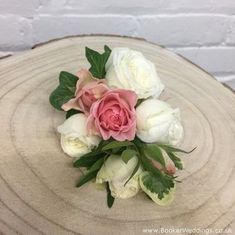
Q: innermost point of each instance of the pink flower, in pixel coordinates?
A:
(169, 164)
(88, 90)
(114, 115)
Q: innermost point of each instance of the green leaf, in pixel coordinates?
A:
(158, 185)
(170, 148)
(133, 173)
(71, 112)
(68, 80)
(146, 179)
(128, 154)
(148, 165)
(97, 165)
(177, 161)
(107, 49)
(86, 177)
(155, 153)
(116, 144)
(139, 101)
(155, 181)
(98, 61)
(118, 151)
(59, 97)
(91, 173)
(102, 144)
(138, 143)
(88, 159)
(110, 198)
(65, 91)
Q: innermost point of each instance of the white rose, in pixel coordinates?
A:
(74, 138)
(117, 172)
(129, 69)
(158, 122)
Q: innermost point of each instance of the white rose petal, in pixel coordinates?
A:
(129, 69)
(74, 138)
(158, 122)
(116, 172)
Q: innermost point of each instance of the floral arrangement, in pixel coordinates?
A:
(118, 131)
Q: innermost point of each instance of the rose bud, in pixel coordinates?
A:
(158, 122)
(88, 90)
(116, 172)
(75, 141)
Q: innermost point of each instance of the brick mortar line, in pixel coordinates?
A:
(60, 13)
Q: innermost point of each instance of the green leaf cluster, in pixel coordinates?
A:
(94, 160)
(158, 181)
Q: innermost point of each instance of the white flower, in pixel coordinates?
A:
(117, 172)
(158, 122)
(75, 140)
(129, 69)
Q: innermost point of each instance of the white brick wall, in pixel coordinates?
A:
(201, 30)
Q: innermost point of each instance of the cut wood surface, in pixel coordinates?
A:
(37, 180)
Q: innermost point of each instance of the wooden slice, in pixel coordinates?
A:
(37, 180)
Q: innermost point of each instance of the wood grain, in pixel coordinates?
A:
(37, 193)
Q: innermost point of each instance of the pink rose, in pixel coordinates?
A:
(88, 90)
(114, 115)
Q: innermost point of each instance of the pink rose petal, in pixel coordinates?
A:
(114, 115)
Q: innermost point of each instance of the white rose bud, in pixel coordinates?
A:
(129, 69)
(117, 172)
(158, 122)
(75, 140)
